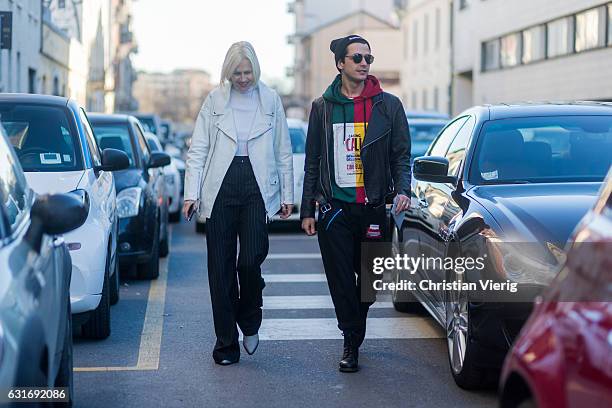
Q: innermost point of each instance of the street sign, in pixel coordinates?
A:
(6, 30)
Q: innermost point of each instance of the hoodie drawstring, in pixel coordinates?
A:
(365, 122)
(344, 121)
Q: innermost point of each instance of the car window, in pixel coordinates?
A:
(44, 137)
(14, 193)
(456, 151)
(115, 136)
(543, 149)
(298, 139)
(148, 124)
(440, 146)
(153, 144)
(421, 136)
(144, 148)
(94, 151)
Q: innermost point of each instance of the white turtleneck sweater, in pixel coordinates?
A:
(244, 107)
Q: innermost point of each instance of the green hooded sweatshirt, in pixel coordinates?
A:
(349, 120)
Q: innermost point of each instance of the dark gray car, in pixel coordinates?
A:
(35, 269)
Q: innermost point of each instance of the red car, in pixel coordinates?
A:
(563, 357)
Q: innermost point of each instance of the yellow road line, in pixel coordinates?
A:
(152, 329)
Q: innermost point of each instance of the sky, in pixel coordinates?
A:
(197, 33)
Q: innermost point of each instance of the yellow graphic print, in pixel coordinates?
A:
(347, 148)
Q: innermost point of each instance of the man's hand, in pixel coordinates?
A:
(286, 210)
(402, 203)
(187, 205)
(308, 225)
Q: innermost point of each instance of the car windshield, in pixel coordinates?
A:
(543, 150)
(42, 136)
(114, 136)
(421, 136)
(148, 124)
(298, 139)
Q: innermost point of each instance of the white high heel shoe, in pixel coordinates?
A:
(250, 343)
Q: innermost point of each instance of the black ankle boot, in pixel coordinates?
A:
(350, 357)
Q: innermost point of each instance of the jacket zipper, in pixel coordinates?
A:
(326, 149)
(363, 147)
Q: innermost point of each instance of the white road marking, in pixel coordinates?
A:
(308, 302)
(294, 277)
(327, 329)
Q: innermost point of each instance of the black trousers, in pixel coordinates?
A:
(236, 287)
(341, 232)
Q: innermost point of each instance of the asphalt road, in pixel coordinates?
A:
(159, 352)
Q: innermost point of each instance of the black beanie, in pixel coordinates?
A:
(339, 45)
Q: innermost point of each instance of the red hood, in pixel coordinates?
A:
(371, 88)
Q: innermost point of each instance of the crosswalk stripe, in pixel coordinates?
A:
(327, 329)
(294, 277)
(294, 256)
(308, 302)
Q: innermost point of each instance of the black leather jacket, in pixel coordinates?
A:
(385, 153)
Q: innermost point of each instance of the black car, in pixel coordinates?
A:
(141, 203)
(505, 184)
(35, 314)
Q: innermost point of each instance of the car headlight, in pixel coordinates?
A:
(524, 263)
(128, 202)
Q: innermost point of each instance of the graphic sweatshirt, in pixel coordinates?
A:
(349, 120)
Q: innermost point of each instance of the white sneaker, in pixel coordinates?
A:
(250, 343)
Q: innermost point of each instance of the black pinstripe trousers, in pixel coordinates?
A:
(236, 287)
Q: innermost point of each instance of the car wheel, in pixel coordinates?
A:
(175, 216)
(150, 269)
(164, 246)
(115, 284)
(99, 324)
(200, 227)
(462, 359)
(403, 301)
(65, 372)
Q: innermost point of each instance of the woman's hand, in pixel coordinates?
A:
(187, 208)
(286, 210)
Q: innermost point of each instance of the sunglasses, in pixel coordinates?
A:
(357, 58)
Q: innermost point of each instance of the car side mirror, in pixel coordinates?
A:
(158, 159)
(433, 169)
(113, 160)
(54, 215)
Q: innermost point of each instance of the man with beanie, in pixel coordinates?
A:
(357, 157)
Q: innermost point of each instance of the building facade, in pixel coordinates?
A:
(531, 50)
(78, 49)
(317, 69)
(426, 55)
(19, 65)
(314, 16)
(177, 96)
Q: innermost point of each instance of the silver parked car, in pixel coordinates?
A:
(35, 269)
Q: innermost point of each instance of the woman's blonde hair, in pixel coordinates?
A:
(236, 53)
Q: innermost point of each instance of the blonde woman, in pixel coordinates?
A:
(239, 174)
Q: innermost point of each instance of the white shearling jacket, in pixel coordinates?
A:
(214, 144)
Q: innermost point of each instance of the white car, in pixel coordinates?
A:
(297, 132)
(172, 178)
(59, 154)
